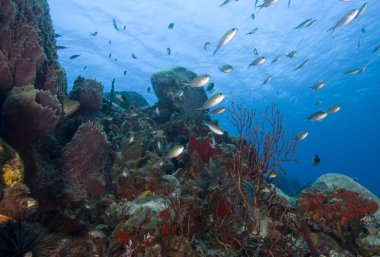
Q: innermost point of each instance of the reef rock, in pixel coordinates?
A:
(129, 99)
(88, 92)
(83, 160)
(28, 53)
(28, 114)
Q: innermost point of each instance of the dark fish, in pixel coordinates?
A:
(292, 54)
(148, 90)
(57, 35)
(133, 56)
(85, 67)
(363, 30)
(168, 51)
(252, 31)
(306, 23)
(316, 160)
(74, 56)
(252, 16)
(94, 33)
(124, 27)
(255, 51)
(225, 2)
(210, 86)
(289, 1)
(359, 43)
(109, 56)
(171, 25)
(302, 64)
(61, 47)
(114, 24)
(109, 42)
(115, 59)
(206, 45)
(377, 48)
(125, 72)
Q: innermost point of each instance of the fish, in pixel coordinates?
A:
(377, 48)
(306, 23)
(267, 80)
(114, 24)
(124, 27)
(289, 1)
(218, 110)
(57, 35)
(168, 51)
(174, 152)
(226, 68)
(359, 43)
(214, 128)
(74, 56)
(268, 3)
(272, 174)
(61, 47)
(302, 64)
(212, 101)
(292, 54)
(318, 102)
(206, 45)
(361, 10)
(253, 15)
(316, 160)
(252, 31)
(355, 71)
(225, 2)
(255, 52)
(199, 81)
(278, 57)
(115, 59)
(125, 72)
(318, 85)
(257, 61)
(171, 25)
(157, 111)
(318, 116)
(227, 37)
(210, 86)
(148, 90)
(97, 234)
(301, 136)
(109, 42)
(109, 55)
(349, 17)
(333, 109)
(94, 33)
(363, 30)
(85, 67)
(133, 56)
(121, 98)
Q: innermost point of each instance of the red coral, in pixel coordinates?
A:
(122, 238)
(203, 147)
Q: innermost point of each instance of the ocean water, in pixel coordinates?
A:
(347, 141)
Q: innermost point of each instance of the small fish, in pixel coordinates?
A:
(289, 1)
(359, 43)
(364, 30)
(302, 64)
(148, 90)
(121, 98)
(124, 27)
(272, 174)
(377, 48)
(210, 86)
(214, 128)
(133, 56)
(94, 33)
(171, 25)
(355, 71)
(179, 94)
(74, 56)
(130, 140)
(350, 16)
(115, 60)
(57, 35)
(114, 24)
(278, 57)
(125, 72)
(306, 23)
(361, 10)
(218, 110)
(255, 52)
(227, 37)
(225, 2)
(318, 102)
(318, 85)
(168, 51)
(301, 136)
(97, 234)
(200, 81)
(252, 31)
(212, 101)
(316, 160)
(226, 68)
(253, 15)
(267, 80)
(268, 3)
(318, 116)
(61, 47)
(257, 61)
(85, 67)
(206, 45)
(109, 42)
(157, 111)
(109, 55)
(333, 109)
(292, 54)
(174, 152)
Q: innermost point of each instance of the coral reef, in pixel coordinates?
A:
(12, 169)
(82, 162)
(88, 92)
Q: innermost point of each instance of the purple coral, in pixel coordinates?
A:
(83, 160)
(89, 93)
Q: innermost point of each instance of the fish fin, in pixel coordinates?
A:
(215, 51)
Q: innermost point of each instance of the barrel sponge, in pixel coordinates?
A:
(28, 114)
(88, 92)
(83, 160)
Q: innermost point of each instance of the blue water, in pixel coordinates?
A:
(347, 141)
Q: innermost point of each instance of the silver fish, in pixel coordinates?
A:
(257, 61)
(214, 128)
(318, 85)
(200, 81)
(318, 116)
(302, 64)
(333, 109)
(227, 37)
(226, 68)
(362, 9)
(174, 152)
(301, 136)
(267, 80)
(212, 101)
(350, 16)
(206, 45)
(355, 71)
(218, 110)
(268, 3)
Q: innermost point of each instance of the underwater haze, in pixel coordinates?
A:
(347, 141)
